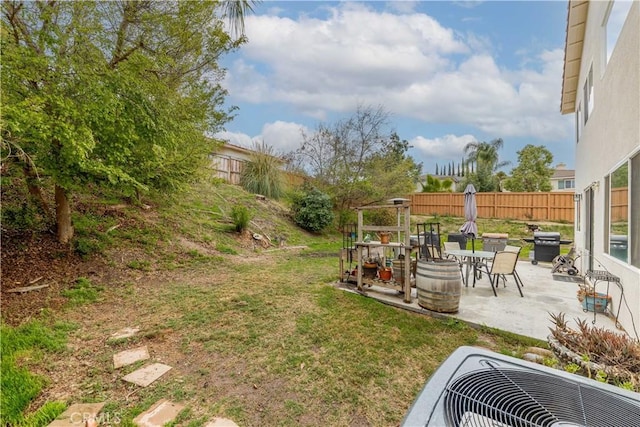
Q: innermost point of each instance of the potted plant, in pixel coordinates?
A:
(369, 268)
(592, 300)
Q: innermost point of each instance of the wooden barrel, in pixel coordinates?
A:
(439, 285)
(398, 269)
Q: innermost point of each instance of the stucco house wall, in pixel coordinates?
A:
(609, 138)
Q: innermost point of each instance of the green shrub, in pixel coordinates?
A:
(346, 217)
(312, 210)
(241, 217)
(261, 174)
(380, 217)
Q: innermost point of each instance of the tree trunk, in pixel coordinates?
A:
(34, 188)
(63, 215)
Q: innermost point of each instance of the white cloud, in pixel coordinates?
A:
(236, 138)
(447, 147)
(409, 63)
(283, 136)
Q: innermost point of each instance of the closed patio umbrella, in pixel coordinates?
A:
(470, 212)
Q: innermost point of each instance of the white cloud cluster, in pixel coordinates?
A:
(403, 60)
(446, 147)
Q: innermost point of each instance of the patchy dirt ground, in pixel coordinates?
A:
(38, 259)
(85, 370)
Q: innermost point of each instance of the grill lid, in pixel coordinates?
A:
(547, 235)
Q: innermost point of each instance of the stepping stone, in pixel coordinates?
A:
(162, 412)
(124, 333)
(148, 374)
(77, 414)
(129, 357)
(221, 422)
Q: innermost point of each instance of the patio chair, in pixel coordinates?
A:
(453, 246)
(504, 264)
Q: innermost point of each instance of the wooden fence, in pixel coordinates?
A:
(619, 204)
(552, 206)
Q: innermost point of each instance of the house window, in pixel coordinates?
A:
(615, 16)
(578, 123)
(588, 95)
(566, 183)
(624, 197)
(634, 198)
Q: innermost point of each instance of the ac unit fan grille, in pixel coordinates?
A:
(498, 397)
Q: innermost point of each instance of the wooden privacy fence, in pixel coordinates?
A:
(552, 206)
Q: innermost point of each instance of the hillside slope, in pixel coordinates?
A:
(119, 242)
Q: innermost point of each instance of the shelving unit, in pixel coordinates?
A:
(402, 231)
(604, 276)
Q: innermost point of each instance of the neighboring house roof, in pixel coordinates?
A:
(237, 148)
(563, 174)
(227, 146)
(576, 23)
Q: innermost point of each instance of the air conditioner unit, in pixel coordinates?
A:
(476, 388)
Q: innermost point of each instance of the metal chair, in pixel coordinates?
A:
(453, 246)
(504, 264)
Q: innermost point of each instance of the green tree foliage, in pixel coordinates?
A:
(261, 174)
(356, 161)
(110, 93)
(485, 156)
(435, 185)
(312, 209)
(391, 171)
(533, 172)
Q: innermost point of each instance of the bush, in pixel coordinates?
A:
(312, 210)
(597, 349)
(380, 217)
(241, 217)
(261, 174)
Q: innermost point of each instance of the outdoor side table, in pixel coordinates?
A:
(604, 276)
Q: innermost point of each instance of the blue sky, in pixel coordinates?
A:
(447, 72)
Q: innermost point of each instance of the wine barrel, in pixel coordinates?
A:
(439, 285)
(398, 270)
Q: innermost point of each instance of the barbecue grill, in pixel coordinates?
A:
(476, 387)
(546, 245)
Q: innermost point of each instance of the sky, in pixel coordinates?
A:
(447, 72)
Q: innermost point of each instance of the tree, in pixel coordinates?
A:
(355, 160)
(391, 172)
(435, 185)
(487, 161)
(111, 93)
(533, 172)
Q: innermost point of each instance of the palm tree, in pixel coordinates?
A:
(434, 185)
(235, 11)
(487, 160)
(485, 154)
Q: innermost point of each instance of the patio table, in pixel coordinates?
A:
(471, 258)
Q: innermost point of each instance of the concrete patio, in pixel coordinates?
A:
(544, 293)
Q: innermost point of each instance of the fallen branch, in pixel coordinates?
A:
(287, 248)
(27, 289)
(113, 228)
